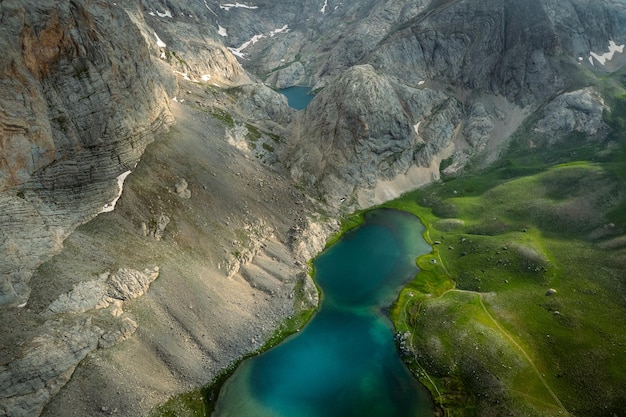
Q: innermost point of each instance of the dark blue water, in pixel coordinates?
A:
(297, 97)
(344, 363)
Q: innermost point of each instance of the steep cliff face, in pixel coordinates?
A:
(304, 44)
(514, 49)
(71, 76)
(70, 123)
(366, 127)
(523, 51)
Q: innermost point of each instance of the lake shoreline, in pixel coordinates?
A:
(361, 276)
(210, 392)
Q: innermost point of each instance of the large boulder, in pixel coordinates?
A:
(576, 111)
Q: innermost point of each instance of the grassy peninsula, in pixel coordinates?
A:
(520, 307)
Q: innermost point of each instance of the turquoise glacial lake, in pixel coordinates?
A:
(297, 97)
(344, 362)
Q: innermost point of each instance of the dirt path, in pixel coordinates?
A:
(495, 323)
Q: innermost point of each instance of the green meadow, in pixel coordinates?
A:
(520, 309)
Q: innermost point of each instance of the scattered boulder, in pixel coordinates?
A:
(550, 292)
(126, 283)
(161, 224)
(182, 189)
(123, 331)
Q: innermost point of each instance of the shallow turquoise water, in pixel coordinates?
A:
(344, 363)
(297, 97)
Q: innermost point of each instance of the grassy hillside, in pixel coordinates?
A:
(521, 307)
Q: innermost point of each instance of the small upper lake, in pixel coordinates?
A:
(344, 362)
(297, 97)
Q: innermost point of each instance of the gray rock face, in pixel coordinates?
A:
(366, 127)
(109, 288)
(576, 111)
(450, 79)
(506, 47)
(69, 112)
(45, 365)
(510, 48)
(127, 284)
(260, 103)
(478, 45)
(74, 93)
(293, 75)
(325, 38)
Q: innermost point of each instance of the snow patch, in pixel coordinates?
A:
(237, 51)
(206, 77)
(255, 39)
(323, 9)
(607, 56)
(160, 43)
(284, 29)
(120, 184)
(229, 6)
(221, 31)
(166, 14)
(416, 127)
(421, 82)
(151, 13)
(184, 75)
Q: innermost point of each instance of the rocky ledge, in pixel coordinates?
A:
(89, 317)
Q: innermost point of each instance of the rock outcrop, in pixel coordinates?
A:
(577, 111)
(182, 189)
(88, 317)
(262, 104)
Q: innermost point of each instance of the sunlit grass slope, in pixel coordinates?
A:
(521, 307)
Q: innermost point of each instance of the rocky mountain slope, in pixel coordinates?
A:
(490, 64)
(235, 199)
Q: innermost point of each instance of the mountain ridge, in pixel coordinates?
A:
(405, 94)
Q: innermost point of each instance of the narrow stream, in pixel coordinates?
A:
(344, 362)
